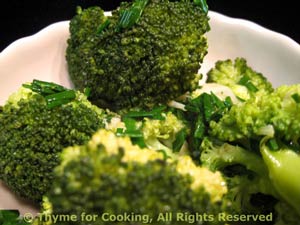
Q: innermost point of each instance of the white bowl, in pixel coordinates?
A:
(42, 56)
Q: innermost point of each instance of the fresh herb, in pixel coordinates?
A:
(179, 140)
(44, 88)
(54, 94)
(130, 16)
(103, 26)
(272, 144)
(87, 92)
(200, 112)
(155, 113)
(246, 81)
(202, 4)
(132, 130)
(296, 97)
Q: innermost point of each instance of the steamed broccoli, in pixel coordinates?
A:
(110, 175)
(158, 129)
(147, 52)
(284, 171)
(237, 75)
(263, 116)
(161, 134)
(268, 126)
(245, 172)
(35, 125)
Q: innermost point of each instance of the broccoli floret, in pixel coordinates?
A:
(286, 119)
(111, 175)
(284, 166)
(152, 61)
(244, 81)
(245, 172)
(34, 130)
(161, 134)
(265, 115)
(158, 129)
(272, 121)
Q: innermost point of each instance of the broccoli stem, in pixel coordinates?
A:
(284, 167)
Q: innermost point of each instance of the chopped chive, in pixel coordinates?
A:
(130, 123)
(245, 81)
(165, 155)
(58, 102)
(202, 4)
(133, 133)
(272, 144)
(49, 85)
(87, 92)
(155, 113)
(251, 87)
(199, 128)
(207, 107)
(44, 88)
(195, 105)
(130, 16)
(228, 102)
(216, 101)
(103, 26)
(69, 94)
(139, 141)
(120, 132)
(179, 140)
(296, 97)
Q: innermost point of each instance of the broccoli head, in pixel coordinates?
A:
(244, 81)
(34, 130)
(265, 115)
(268, 126)
(162, 134)
(152, 59)
(111, 175)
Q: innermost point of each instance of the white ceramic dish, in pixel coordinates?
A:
(42, 56)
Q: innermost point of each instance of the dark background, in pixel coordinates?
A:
(19, 18)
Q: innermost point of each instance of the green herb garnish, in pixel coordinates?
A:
(54, 94)
(130, 16)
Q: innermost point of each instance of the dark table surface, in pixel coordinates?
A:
(21, 18)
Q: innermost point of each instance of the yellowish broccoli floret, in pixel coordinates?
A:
(113, 175)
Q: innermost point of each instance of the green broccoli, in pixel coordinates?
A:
(150, 57)
(34, 128)
(265, 115)
(110, 175)
(268, 126)
(158, 129)
(284, 171)
(237, 75)
(245, 173)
